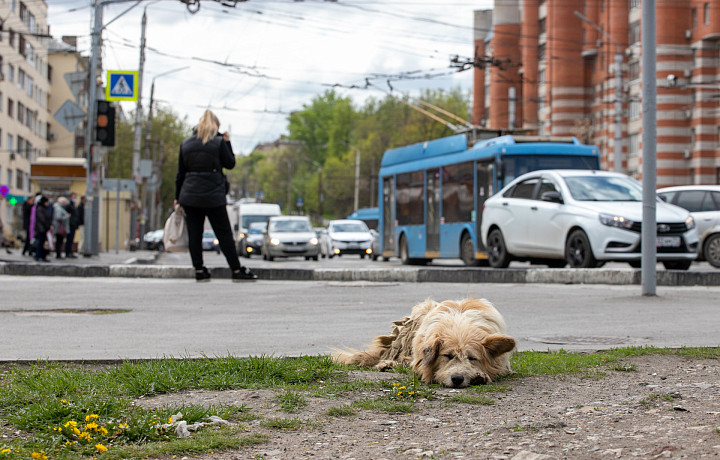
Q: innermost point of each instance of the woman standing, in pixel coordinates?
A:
(42, 223)
(61, 224)
(200, 188)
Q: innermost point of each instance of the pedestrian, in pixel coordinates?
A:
(61, 224)
(80, 231)
(201, 189)
(42, 227)
(70, 238)
(27, 209)
(3, 242)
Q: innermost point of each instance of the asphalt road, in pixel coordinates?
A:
(62, 318)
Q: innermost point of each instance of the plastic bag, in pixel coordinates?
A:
(175, 236)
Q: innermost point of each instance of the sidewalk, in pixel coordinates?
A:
(151, 264)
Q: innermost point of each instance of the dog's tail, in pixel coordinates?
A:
(367, 358)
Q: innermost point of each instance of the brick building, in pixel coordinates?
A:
(554, 73)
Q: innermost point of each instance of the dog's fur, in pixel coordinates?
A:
(454, 343)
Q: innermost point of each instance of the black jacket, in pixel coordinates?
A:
(43, 219)
(200, 181)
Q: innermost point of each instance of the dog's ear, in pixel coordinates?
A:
(424, 360)
(497, 344)
(430, 352)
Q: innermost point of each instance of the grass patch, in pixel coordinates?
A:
(283, 423)
(340, 411)
(40, 400)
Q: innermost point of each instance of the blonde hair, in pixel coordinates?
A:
(208, 126)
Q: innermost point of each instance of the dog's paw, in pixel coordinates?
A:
(385, 365)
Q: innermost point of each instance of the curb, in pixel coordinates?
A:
(142, 268)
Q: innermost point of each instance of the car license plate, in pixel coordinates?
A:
(668, 241)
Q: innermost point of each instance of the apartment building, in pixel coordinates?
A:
(553, 72)
(24, 89)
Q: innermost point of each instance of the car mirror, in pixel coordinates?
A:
(552, 196)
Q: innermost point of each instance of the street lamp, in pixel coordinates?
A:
(618, 91)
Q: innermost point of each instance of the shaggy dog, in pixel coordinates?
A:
(454, 343)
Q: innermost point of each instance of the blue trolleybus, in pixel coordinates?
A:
(433, 192)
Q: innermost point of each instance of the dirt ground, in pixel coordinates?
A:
(654, 407)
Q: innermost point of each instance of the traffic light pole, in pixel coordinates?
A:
(92, 204)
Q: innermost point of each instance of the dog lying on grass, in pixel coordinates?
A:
(454, 343)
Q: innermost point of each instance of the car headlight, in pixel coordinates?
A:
(274, 241)
(314, 241)
(616, 221)
(690, 223)
(241, 236)
(216, 242)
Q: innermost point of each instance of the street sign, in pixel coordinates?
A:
(69, 115)
(118, 185)
(122, 85)
(76, 82)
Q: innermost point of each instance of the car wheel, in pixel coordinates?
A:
(161, 247)
(578, 252)
(677, 264)
(404, 255)
(269, 258)
(711, 250)
(315, 258)
(498, 256)
(467, 251)
(362, 256)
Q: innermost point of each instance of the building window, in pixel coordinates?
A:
(11, 39)
(19, 182)
(706, 13)
(634, 32)
(634, 110)
(11, 73)
(694, 18)
(541, 26)
(9, 178)
(541, 52)
(11, 108)
(21, 112)
(634, 70)
(634, 4)
(541, 76)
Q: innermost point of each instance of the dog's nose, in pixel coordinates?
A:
(457, 380)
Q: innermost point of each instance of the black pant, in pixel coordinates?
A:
(195, 219)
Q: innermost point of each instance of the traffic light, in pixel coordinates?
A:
(105, 124)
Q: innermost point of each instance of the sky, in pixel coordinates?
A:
(255, 63)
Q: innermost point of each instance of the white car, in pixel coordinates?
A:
(703, 202)
(349, 236)
(583, 219)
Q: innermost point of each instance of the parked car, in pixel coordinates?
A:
(583, 219)
(290, 236)
(348, 236)
(210, 242)
(154, 240)
(323, 242)
(251, 243)
(703, 202)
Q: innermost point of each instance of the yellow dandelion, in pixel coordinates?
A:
(401, 388)
(76, 431)
(5, 451)
(64, 401)
(38, 455)
(91, 417)
(92, 426)
(70, 423)
(85, 436)
(101, 448)
(103, 430)
(123, 426)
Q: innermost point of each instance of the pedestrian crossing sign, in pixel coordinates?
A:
(122, 85)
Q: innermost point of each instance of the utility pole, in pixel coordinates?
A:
(357, 179)
(137, 141)
(649, 149)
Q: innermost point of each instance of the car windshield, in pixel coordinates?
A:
(349, 227)
(604, 188)
(291, 226)
(208, 235)
(257, 228)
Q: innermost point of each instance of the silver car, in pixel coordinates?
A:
(703, 202)
(290, 236)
